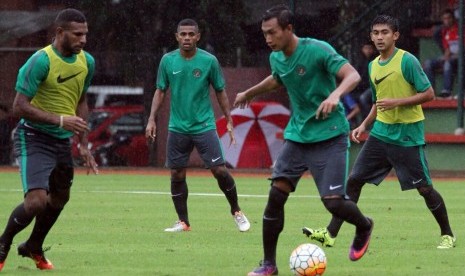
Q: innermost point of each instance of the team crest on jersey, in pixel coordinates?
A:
(196, 73)
(300, 70)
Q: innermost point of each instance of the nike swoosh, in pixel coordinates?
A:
(417, 181)
(62, 80)
(331, 187)
(378, 81)
(216, 159)
(177, 72)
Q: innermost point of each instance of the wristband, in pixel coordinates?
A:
(61, 121)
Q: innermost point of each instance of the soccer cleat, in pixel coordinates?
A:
(322, 235)
(38, 257)
(264, 269)
(360, 244)
(179, 226)
(447, 242)
(4, 249)
(241, 221)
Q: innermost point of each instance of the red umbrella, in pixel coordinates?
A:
(258, 130)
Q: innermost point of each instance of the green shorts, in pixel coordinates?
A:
(180, 146)
(45, 162)
(326, 161)
(378, 158)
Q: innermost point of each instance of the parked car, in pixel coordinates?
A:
(117, 136)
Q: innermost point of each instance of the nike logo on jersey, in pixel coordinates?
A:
(414, 182)
(62, 80)
(378, 81)
(331, 187)
(216, 159)
(176, 72)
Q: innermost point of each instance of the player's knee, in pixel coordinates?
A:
(276, 201)
(35, 202)
(332, 204)
(425, 191)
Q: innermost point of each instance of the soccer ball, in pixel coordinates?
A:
(308, 260)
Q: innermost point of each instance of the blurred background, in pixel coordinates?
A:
(128, 38)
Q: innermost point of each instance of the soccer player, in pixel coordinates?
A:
(316, 137)
(51, 101)
(397, 138)
(189, 72)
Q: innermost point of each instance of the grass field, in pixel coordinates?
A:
(113, 225)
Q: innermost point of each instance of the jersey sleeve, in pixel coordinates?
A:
(91, 71)
(216, 76)
(162, 77)
(413, 73)
(32, 73)
(373, 89)
(331, 59)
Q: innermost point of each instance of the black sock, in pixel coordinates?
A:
(436, 205)
(347, 210)
(179, 194)
(354, 189)
(273, 222)
(44, 222)
(19, 219)
(228, 187)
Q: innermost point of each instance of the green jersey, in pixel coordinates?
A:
(309, 76)
(189, 81)
(398, 77)
(55, 84)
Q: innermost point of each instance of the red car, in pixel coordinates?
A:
(117, 136)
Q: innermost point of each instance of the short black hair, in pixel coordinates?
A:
(188, 22)
(448, 11)
(392, 22)
(282, 13)
(67, 16)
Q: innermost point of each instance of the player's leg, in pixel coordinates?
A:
(34, 151)
(287, 171)
(209, 147)
(178, 150)
(413, 173)
(371, 166)
(328, 164)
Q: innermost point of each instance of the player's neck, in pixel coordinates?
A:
(188, 54)
(290, 48)
(387, 54)
(60, 49)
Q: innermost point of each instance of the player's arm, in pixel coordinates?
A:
(157, 101)
(223, 101)
(349, 79)
(82, 112)
(266, 85)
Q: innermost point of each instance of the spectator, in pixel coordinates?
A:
(362, 93)
(448, 60)
(352, 110)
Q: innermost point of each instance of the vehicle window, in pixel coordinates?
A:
(97, 118)
(132, 123)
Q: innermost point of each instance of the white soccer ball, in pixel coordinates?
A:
(308, 259)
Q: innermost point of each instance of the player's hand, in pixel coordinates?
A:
(89, 160)
(357, 132)
(386, 104)
(242, 100)
(232, 139)
(151, 131)
(327, 106)
(75, 124)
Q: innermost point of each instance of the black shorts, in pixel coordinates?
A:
(377, 158)
(45, 162)
(326, 160)
(180, 146)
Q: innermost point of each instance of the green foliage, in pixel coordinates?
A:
(113, 225)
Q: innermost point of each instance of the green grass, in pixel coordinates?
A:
(113, 225)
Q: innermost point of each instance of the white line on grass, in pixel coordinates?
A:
(200, 194)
